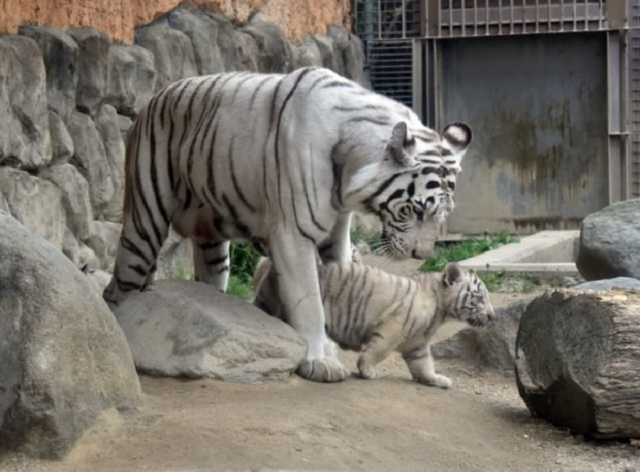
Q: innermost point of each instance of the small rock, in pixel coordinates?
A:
(104, 242)
(623, 283)
(93, 61)
(75, 197)
(492, 346)
(108, 126)
(36, 203)
(172, 49)
(131, 78)
(175, 260)
(203, 33)
(61, 142)
(188, 329)
(25, 141)
(60, 54)
(90, 158)
(274, 51)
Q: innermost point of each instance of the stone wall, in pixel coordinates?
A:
(69, 97)
(118, 18)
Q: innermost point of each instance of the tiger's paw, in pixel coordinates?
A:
(322, 370)
(368, 372)
(436, 381)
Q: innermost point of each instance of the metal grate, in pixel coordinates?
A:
(634, 95)
(462, 18)
(391, 69)
(387, 19)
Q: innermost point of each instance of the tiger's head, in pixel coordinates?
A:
(414, 188)
(465, 296)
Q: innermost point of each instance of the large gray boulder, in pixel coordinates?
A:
(61, 142)
(92, 68)
(274, 51)
(188, 329)
(64, 357)
(493, 346)
(60, 55)
(131, 78)
(75, 197)
(90, 158)
(108, 127)
(350, 54)
(172, 49)
(25, 141)
(203, 33)
(577, 359)
(35, 202)
(610, 242)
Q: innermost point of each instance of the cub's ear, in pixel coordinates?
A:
(452, 274)
(397, 146)
(458, 136)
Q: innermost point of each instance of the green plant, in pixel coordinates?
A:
(243, 260)
(239, 288)
(465, 249)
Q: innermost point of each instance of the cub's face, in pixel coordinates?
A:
(418, 196)
(468, 297)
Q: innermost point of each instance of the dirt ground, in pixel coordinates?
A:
(390, 424)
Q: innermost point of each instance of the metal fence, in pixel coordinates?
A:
(391, 28)
(634, 95)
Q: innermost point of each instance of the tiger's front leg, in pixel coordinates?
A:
(299, 292)
(338, 247)
(211, 262)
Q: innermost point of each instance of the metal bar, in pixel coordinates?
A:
(512, 25)
(463, 11)
(475, 17)
(379, 19)
(404, 19)
(450, 18)
(486, 18)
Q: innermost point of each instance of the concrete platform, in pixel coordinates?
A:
(546, 255)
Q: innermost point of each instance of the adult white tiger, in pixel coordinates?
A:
(282, 161)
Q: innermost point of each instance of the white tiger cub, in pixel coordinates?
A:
(370, 310)
(282, 161)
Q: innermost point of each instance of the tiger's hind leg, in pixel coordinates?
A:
(211, 262)
(138, 248)
(420, 363)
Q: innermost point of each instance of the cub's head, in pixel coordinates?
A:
(466, 296)
(413, 193)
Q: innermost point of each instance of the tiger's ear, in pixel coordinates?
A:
(400, 140)
(452, 274)
(458, 136)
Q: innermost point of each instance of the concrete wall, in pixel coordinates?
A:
(117, 18)
(537, 105)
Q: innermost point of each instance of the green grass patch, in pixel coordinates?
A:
(244, 259)
(239, 288)
(465, 249)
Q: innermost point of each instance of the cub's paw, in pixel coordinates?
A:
(322, 370)
(436, 381)
(368, 372)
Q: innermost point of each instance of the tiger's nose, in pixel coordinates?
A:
(422, 253)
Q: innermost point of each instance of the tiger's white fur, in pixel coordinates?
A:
(370, 310)
(282, 161)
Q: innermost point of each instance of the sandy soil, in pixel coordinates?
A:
(390, 424)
